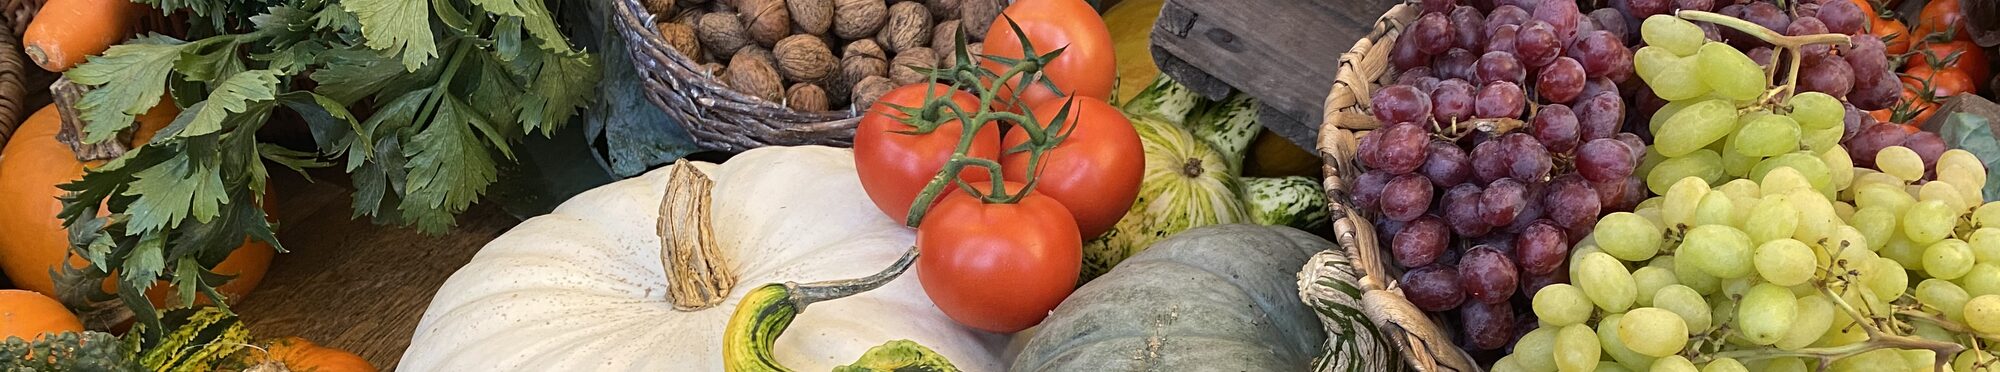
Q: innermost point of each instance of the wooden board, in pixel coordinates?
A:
(1284, 52)
(351, 284)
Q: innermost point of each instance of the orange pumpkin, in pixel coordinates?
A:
(300, 355)
(32, 239)
(30, 315)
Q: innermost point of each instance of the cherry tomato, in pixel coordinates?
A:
(1095, 172)
(894, 167)
(1943, 83)
(1086, 67)
(1896, 37)
(1971, 58)
(998, 267)
(1913, 106)
(1941, 15)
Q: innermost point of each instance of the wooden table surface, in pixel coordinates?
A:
(351, 284)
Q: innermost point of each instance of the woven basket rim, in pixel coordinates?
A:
(1424, 343)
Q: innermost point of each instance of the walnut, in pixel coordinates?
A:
(942, 9)
(767, 20)
(944, 37)
(690, 16)
(715, 70)
(812, 16)
(909, 27)
(805, 97)
(660, 7)
(903, 70)
(804, 58)
(758, 51)
(976, 15)
(754, 76)
(858, 19)
(682, 38)
(945, 59)
(860, 59)
(869, 89)
(722, 33)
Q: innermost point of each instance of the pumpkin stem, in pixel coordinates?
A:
(765, 312)
(809, 293)
(66, 95)
(1192, 168)
(698, 275)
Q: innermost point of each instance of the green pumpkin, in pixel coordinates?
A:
(1212, 298)
(1186, 185)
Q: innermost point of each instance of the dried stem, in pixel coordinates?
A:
(698, 275)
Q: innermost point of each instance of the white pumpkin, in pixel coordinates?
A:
(583, 288)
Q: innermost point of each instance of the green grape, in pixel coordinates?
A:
(1536, 351)
(1649, 203)
(1735, 288)
(1782, 181)
(1678, 80)
(1843, 331)
(1562, 305)
(1961, 157)
(1647, 61)
(1878, 360)
(1918, 359)
(1819, 140)
(1929, 331)
(1948, 259)
(1900, 162)
(1730, 73)
(1675, 35)
(1674, 363)
(1816, 216)
(1944, 192)
(1929, 221)
(1943, 296)
(1768, 135)
(1772, 218)
(1740, 189)
(1606, 282)
(1715, 209)
(1987, 214)
(1785, 262)
(1735, 164)
(1607, 337)
(1972, 360)
(1695, 126)
(1985, 245)
(1876, 223)
(1744, 208)
(1681, 200)
(1702, 163)
(1612, 367)
(1967, 181)
(1839, 166)
(1724, 365)
(1653, 332)
(1650, 214)
(1785, 364)
(1650, 279)
(1901, 250)
(1666, 112)
(1718, 250)
(1983, 314)
(1815, 110)
(1766, 313)
(1577, 348)
(1628, 236)
(1843, 236)
(1689, 305)
(1984, 279)
(1808, 165)
(1843, 210)
(1509, 364)
(1886, 279)
(1693, 276)
(1577, 254)
(1815, 315)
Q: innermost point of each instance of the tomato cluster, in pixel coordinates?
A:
(995, 263)
(1941, 60)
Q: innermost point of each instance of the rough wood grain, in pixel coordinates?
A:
(351, 284)
(1284, 52)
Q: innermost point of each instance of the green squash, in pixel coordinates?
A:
(1327, 284)
(1186, 185)
(1212, 298)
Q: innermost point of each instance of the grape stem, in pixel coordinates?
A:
(1775, 38)
(1946, 324)
(1877, 339)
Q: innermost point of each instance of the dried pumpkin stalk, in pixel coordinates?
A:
(698, 276)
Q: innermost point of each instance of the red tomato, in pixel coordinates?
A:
(1095, 172)
(894, 167)
(1940, 15)
(1896, 37)
(1085, 68)
(998, 267)
(1971, 58)
(1943, 83)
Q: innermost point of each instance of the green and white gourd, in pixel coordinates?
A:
(1164, 100)
(1294, 201)
(1229, 125)
(1327, 285)
(1185, 185)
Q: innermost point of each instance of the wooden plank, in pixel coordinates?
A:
(350, 284)
(1284, 52)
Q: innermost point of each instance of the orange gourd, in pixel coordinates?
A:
(32, 239)
(299, 355)
(64, 32)
(30, 315)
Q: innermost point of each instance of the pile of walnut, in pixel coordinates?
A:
(815, 55)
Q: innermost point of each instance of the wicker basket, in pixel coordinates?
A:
(22, 85)
(1425, 344)
(719, 118)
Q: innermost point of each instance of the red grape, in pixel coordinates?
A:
(1854, 121)
(1612, 21)
(1842, 17)
(1502, 201)
(1461, 210)
(1561, 14)
(1701, 5)
(1826, 73)
(1466, 28)
(1405, 55)
(1571, 202)
(1872, 140)
(1402, 147)
(1605, 160)
(1406, 197)
(1541, 248)
(1432, 33)
(1453, 101)
(1531, 283)
(1646, 8)
(1561, 81)
(1487, 275)
(1527, 159)
(1500, 100)
(1556, 126)
(1632, 141)
(1530, 211)
(1401, 104)
(1538, 44)
(1487, 326)
(1447, 165)
(1489, 161)
(1603, 55)
(1809, 26)
(1598, 85)
(1420, 242)
(1433, 288)
(1437, 6)
(1877, 92)
(1504, 15)
(1927, 145)
(1368, 187)
(1456, 64)
(1500, 66)
(1868, 56)
(1599, 115)
(1503, 39)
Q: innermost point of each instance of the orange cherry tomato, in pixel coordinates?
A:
(1939, 16)
(1943, 83)
(1971, 58)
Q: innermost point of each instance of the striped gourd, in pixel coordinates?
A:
(1327, 285)
(1229, 125)
(1294, 201)
(1186, 185)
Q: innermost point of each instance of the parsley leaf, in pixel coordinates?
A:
(231, 96)
(174, 190)
(561, 85)
(140, 69)
(449, 167)
(535, 16)
(400, 27)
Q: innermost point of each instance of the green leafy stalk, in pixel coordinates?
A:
(421, 98)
